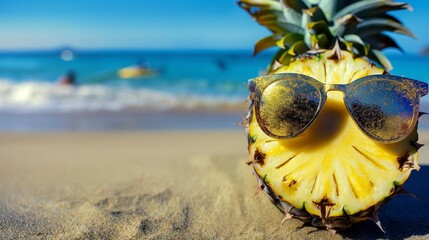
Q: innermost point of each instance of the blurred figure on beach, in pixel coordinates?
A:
(68, 79)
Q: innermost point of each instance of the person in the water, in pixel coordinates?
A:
(68, 79)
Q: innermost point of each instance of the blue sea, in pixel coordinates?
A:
(205, 79)
(193, 81)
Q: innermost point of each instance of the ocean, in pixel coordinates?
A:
(32, 98)
(29, 82)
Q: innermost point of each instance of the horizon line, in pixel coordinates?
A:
(119, 50)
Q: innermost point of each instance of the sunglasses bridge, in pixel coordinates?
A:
(335, 87)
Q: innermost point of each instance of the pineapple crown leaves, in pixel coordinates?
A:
(300, 26)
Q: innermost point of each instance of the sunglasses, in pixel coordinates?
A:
(385, 107)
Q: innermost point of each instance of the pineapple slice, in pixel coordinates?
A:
(332, 169)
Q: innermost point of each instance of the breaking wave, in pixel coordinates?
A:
(36, 96)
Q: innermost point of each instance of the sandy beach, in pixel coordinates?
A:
(161, 185)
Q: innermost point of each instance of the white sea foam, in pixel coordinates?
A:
(32, 96)
(36, 96)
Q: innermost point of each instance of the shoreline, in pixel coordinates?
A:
(126, 120)
(133, 120)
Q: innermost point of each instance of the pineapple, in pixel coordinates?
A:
(332, 175)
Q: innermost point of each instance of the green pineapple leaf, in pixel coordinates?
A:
(381, 41)
(265, 43)
(369, 8)
(377, 25)
(380, 58)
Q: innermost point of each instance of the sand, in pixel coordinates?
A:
(160, 185)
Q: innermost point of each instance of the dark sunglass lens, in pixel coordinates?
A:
(384, 108)
(288, 106)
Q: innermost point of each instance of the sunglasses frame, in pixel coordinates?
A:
(258, 85)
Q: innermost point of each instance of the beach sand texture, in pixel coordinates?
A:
(161, 185)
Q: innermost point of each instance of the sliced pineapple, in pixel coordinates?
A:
(331, 175)
(332, 168)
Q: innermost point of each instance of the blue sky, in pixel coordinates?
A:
(150, 24)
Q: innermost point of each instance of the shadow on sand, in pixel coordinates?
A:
(402, 217)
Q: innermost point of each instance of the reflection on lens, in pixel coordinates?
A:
(382, 108)
(370, 116)
(288, 106)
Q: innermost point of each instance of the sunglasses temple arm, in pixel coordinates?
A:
(251, 85)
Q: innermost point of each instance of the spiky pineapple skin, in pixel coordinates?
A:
(341, 68)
